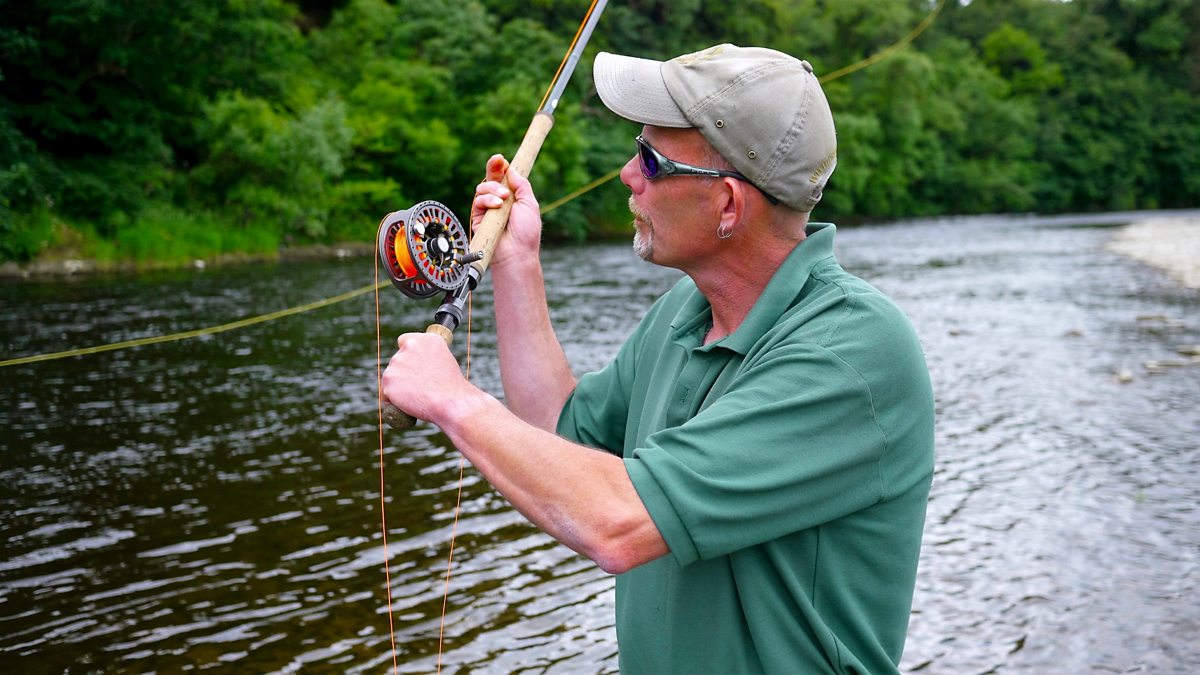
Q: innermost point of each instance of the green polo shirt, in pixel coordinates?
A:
(786, 465)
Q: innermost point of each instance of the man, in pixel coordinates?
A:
(754, 464)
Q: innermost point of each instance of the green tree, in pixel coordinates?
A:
(110, 92)
(269, 169)
(264, 121)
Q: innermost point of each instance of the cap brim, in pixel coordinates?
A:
(634, 89)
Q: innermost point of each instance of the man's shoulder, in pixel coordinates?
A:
(837, 299)
(848, 319)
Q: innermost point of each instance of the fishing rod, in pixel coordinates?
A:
(424, 248)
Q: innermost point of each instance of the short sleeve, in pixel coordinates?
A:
(595, 414)
(794, 442)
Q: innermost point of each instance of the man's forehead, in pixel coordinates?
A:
(672, 137)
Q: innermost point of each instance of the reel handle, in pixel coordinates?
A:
(397, 418)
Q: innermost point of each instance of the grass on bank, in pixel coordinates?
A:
(159, 237)
(166, 236)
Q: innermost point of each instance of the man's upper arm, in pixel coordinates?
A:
(793, 443)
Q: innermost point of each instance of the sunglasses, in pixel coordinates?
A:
(655, 165)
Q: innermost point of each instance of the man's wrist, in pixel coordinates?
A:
(521, 263)
(468, 408)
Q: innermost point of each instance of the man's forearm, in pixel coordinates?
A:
(537, 378)
(581, 496)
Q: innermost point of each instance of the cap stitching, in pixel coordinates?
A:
(789, 137)
(792, 134)
(744, 78)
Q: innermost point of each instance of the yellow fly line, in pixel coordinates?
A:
(889, 50)
(242, 323)
(583, 190)
(263, 318)
(870, 60)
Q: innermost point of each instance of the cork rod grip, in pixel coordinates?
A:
(487, 234)
(491, 226)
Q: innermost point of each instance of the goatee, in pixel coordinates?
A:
(643, 246)
(643, 242)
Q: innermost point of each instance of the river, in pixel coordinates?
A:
(214, 503)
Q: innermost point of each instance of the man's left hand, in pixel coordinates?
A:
(423, 378)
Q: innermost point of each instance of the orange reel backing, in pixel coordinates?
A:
(424, 250)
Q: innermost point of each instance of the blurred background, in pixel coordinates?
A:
(146, 132)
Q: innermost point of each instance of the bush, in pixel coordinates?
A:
(24, 235)
(165, 235)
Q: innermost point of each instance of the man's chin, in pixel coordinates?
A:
(643, 245)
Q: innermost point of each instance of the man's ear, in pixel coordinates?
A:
(733, 208)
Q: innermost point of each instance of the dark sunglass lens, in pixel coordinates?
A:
(649, 161)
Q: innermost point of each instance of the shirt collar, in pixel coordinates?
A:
(695, 315)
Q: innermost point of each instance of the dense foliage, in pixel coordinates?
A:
(148, 130)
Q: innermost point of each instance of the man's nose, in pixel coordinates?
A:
(631, 175)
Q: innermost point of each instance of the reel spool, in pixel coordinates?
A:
(424, 250)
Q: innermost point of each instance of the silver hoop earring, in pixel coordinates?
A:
(724, 232)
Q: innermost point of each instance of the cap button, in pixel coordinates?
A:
(807, 66)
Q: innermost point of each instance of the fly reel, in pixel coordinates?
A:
(424, 250)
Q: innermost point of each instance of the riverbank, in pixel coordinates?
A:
(1170, 244)
(71, 266)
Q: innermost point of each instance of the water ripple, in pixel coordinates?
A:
(216, 503)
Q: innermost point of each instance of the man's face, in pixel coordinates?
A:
(670, 214)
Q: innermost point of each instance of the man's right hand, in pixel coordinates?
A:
(524, 231)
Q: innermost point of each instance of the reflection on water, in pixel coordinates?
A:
(216, 501)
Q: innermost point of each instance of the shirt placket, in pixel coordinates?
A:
(701, 370)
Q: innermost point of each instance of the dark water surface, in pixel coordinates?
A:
(214, 503)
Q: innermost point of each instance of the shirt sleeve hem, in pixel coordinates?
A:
(683, 549)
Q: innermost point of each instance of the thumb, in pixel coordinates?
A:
(521, 187)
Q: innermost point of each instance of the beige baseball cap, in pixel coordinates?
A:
(763, 110)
